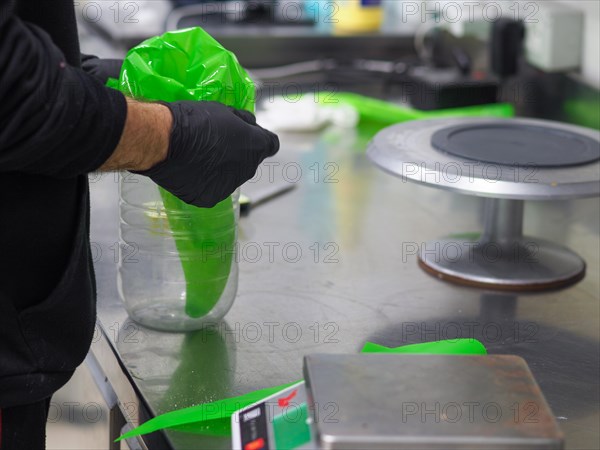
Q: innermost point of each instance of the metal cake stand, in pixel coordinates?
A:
(507, 161)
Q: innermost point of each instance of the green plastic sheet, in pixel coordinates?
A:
(190, 65)
(214, 418)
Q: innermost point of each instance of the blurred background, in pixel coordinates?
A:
(541, 56)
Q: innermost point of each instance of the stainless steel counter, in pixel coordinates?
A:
(333, 264)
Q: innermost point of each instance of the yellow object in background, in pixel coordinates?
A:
(357, 16)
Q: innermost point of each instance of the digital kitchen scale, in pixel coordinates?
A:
(383, 401)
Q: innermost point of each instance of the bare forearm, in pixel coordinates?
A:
(145, 139)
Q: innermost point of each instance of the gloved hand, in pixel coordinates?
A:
(103, 69)
(212, 151)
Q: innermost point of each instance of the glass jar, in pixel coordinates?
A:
(178, 268)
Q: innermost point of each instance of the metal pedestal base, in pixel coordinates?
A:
(502, 258)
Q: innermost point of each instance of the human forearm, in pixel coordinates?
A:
(145, 139)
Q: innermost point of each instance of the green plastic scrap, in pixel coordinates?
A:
(190, 65)
(214, 418)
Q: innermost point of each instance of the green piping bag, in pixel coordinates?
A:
(448, 347)
(214, 418)
(190, 65)
(386, 113)
(205, 240)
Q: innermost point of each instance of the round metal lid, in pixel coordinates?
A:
(516, 144)
(406, 150)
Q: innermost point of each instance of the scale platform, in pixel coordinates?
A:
(507, 161)
(391, 401)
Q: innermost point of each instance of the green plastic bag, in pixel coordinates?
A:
(214, 418)
(190, 65)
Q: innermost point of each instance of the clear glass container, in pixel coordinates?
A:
(178, 266)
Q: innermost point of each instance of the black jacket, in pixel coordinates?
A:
(56, 125)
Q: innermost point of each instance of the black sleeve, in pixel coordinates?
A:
(55, 119)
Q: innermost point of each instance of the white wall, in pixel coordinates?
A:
(590, 66)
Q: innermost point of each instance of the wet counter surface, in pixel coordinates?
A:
(332, 264)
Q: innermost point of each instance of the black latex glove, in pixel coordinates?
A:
(103, 69)
(213, 150)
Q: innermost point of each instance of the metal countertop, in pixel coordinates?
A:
(333, 264)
